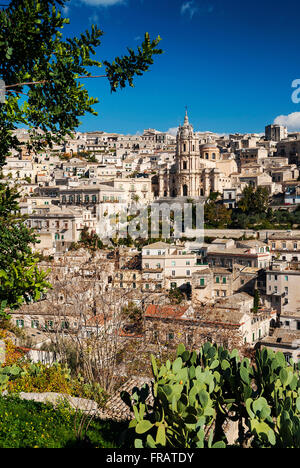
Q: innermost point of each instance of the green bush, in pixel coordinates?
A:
(194, 396)
(40, 378)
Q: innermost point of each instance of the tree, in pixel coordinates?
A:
(133, 315)
(176, 296)
(34, 58)
(254, 200)
(256, 301)
(216, 214)
(41, 72)
(20, 278)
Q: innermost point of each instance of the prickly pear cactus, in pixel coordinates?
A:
(194, 396)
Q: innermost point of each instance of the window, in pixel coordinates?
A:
(49, 324)
(286, 278)
(224, 280)
(147, 286)
(34, 324)
(173, 273)
(187, 262)
(170, 336)
(188, 272)
(173, 263)
(20, 323)
(202, 282)
(64, 325)
(217, 279)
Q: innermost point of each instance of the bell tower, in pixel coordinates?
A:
(187, 160)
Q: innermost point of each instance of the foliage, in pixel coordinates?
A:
(256, 300)
(254, 200)
(176, 296)
(90, 240)
(4, 316)
(20, 278)
(32, 50)
(133, 314)
(216, 214)
(40, 378)
(198, 392)
(12, 353)
(28, 424)
(123, 69)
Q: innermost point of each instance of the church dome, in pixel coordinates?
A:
(186, 130)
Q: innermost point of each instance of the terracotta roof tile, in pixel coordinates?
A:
(166, 311)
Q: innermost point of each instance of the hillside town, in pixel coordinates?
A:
(237, 288)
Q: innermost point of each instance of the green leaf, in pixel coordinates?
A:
(177, 365)
(283, 375)
(143, 426)
(220, 445)
(161, 435)
(203, 397)
(154, 365)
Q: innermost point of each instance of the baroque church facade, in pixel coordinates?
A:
(198, 168)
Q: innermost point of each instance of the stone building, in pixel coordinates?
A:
(229, 327)
(195, 172)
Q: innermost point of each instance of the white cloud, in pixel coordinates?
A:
(189, 7)
(172, 131)
(103, 3)
(291, 121)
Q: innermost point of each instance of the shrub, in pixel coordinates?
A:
(197, 393)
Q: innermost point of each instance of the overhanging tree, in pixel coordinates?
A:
(42, 72)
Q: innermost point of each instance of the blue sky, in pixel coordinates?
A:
(231, 62)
